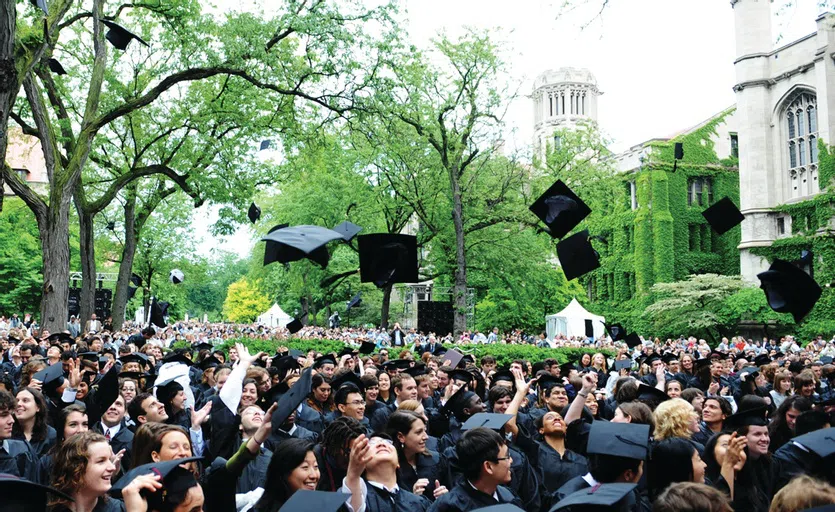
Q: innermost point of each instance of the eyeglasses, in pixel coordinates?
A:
(499, 459)
(356, 402)
(374, 441)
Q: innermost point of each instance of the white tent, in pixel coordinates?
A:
(571, 321)
(274, 317)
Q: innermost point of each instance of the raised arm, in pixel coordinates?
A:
(575, 410)
(522, 389)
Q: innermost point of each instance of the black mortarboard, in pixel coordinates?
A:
(367, 347)
(560, 209)
(134, 357)
(504, 375)
(320, 501)
(629, 440)
(159, 309)
(420, 369)
(20, 495)
(826, 359)
(616, 331)
(274, 251)
(166, 470)
(89, 356)
(632, 340)
(202, 346)
(59, 337)
(599, 497)
(468, 358)
(119, 36)
(131, 375)
(723, 215)
(348, 351)
(56, 66)
(652, 358)
(489, 420)
(762, 359)
(136, 280)
(131, 292)
(669, 357)
(290, 400)
(294, 326)
(651, 393)
(502, 507)
(460, 375)
(348, 230)
(388, 258)
(285, 363)
(41, 4)
(295, 353)
(355, 301)
(589, 328)
(402, 364)
(577, 256)
(548, 381)
(440, 351)
(457, 402)
(753, 371)
(265, 144)
(254, 213)
(51, 378)
(347, 379)
(176, 357)
(454, 357)
(298, 242)
(788, 289)
(209, 362)
(821, 442)
(756, 416)
(701, 363)
(325, 359)
(623, 364)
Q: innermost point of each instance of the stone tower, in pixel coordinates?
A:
(562, 98)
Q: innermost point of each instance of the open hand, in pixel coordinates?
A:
(199, 417)
(420, 486)
(439, 489)
(360, 457)
(134, 502)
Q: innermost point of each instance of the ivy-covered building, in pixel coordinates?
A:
(653, 224)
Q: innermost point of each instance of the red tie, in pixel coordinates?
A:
(107, 435)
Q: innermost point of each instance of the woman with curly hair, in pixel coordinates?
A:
(676, 418)
(31, 421)
(156, 442)
(83, 469)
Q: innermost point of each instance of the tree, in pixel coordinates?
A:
(20, 260)
(693, 305)
(244, 302)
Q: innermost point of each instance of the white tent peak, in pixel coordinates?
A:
(274, 317)
(571, 321)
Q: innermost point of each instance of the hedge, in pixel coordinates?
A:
(504, 354)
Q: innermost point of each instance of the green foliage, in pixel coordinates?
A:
(244, 302)
(20, 260)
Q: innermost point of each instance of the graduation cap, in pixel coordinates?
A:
(388, 258)
(20, 494)
(616, 331)
(355, 301)
(826, 359)
(131, 375)
(134, 357)
(298, 242)
(202, 346)
(489, 420)
(320, 501)
(347, 379)
(504, 375)
(41, 4)
(286, 363)
(265, 144)
(59, 337)
(348, 351)
(254, 213)
(210, 362)
(348, 230)
(274, 251)
(753, 371)
(460, 375)
(651, 393)
(502, 507)
(623, 364)
(545, 382)
(678, 152)
(751, 416)
(454, 357)
(420, 369)
(652, 358)
(560, 209)
(788, 289)
(589, 328)
(325, 359)
(136, 280)
(599, 497)
(55, 66)
(669, 357)
(294, 326)
(402, 364)
(159, 309)
(577, 256)
(295, 354)
(119, 36)
(723, 215)
(89, 356)
(131, 292)
(51, 378)
(367, 347)
(632, 340)
(457, 402)
(628, 440)
(173, 477)
(291, 400)
(701, 363)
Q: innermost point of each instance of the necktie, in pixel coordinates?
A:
(107, 435)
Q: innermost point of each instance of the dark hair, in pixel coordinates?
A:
(639, 413)
(70, 464)
(369, 381)
(400, 422)
(135, 409)
(171, 499)
(627, 390)
(713, 468)
(30, 347)
(341, 395)
(341, 431)
(7, 402)
(670, 462)
(809, 421)
(778, 426)
(39, 429)
(496, 393)
(289, 455)
(488, 360)
(63, 415)
(724, 404)
(690, 394)
(475, 447)
(607, 468)
(148, 331)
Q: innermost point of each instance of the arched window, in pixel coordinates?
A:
(802, 139)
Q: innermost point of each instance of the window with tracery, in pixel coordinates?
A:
(802, 134)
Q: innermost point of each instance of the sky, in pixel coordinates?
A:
(662, 65)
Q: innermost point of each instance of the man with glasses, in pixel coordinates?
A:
(486, 463)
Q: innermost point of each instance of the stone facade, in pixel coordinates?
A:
(561, 99)
(785, 106)
(25, 157)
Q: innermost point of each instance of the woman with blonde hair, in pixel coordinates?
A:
(83, 468)
(802, 493)
(676, 418)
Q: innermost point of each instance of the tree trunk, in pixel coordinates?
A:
(459, 291)
(384, 310)
(8, 79)
(55, 244)
(120, 300)
(87, 248)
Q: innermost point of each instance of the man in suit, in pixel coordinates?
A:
(92, 324)
(114, 429)
(398, 337)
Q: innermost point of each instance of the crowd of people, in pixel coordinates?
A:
(399, 420)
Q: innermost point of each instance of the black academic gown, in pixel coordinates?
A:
(331, 475)
(795, 461)
(277, 436)
(381, 500)
(18, 459)
(637, 502)
(554, 470)
(123, 440)
(755, 484)
(381, 417)
(464, 497)
(106, 504)
(40, 448)
(426, 466)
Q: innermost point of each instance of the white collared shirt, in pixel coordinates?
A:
(111, 430)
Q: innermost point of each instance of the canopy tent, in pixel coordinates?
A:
(571, 321)
(274, 317)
